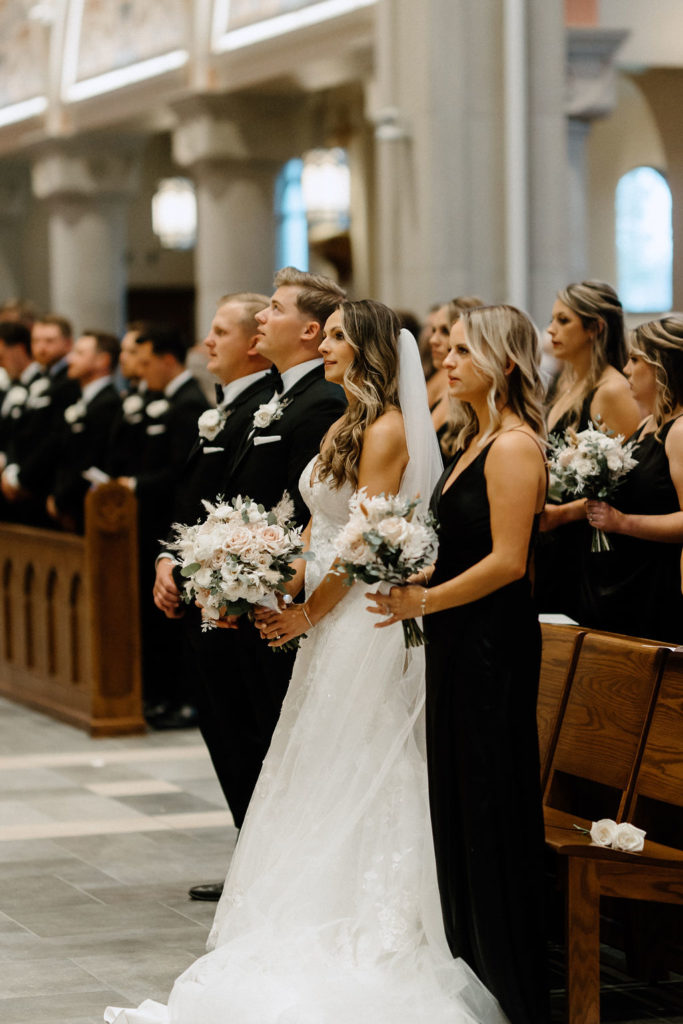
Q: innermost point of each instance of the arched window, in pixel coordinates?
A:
(291, 247)
(644, 241)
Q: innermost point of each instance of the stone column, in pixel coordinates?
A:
(87, 187)
(591, 93)
(233, 148)
(455, 160)
(13, 189)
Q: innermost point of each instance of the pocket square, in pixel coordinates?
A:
(269, 439)
(156, 428)
(210, 451)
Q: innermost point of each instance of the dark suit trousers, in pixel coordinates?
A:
(238, 684)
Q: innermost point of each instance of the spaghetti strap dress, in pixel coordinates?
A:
(483, 662)
(561, 554)
(635, 588)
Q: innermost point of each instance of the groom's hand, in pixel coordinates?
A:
(166, 593)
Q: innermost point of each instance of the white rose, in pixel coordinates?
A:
(265, 414)
(133, 404)
(393, 530)
(273, 539)
(614, 461)
(15, 396)
(629, 838)
(210, 424)
(157, 408)
(39, 386)
(566, 457)
(604, 832)
(74, 413)
(239, 541)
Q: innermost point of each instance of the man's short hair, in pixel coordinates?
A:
(52, 320)
(251, 303)
(107, 343)
(318, 296)
(166, 340)
(13, 333)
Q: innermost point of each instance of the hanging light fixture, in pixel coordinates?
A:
(174, 213)
(326, 187)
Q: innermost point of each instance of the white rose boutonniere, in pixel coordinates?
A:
(133, 406)
(211, 422)
(157, 408)
(74, 413)
(269, 412)
(625, 837)
(39, 386)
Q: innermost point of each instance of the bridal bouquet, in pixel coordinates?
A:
(592, 464)
(385, 540)
(239, 556)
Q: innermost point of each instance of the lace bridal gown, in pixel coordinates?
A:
(330, 912)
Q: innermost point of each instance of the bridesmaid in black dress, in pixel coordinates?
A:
(483, 659)
(636, 587)
(587, 335)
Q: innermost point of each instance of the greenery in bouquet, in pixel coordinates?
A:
(239, 556)
(590, 463)
(386, 540)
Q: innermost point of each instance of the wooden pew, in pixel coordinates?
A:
(69, 620)
(560, 651)
(626, 698)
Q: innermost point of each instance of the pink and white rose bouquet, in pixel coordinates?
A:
(385, 540)
(238, 557)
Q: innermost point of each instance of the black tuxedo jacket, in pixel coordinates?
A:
(271, 459)
(38, 433)
(127, 437)
(83, 444)
(208, 464)
(168, 439)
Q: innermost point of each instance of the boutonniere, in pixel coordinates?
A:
(38, 386)
(157, 408)
(132, 408)
(15, 396)
(74, 413)
(270, 411)
(211, 422)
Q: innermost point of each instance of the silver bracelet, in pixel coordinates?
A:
(308, 620)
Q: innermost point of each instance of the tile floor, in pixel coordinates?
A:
(99, 842)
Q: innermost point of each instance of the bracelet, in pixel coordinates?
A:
(308, 619)
(423, 603)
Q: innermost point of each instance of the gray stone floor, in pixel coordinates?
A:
(99, 842)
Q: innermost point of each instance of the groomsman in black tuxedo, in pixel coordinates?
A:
(240, 681)
(169, 430)
(21, 369)
(27, 479)
(87, 426)
(128, 429)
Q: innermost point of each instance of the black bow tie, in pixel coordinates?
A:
(219, 393)
(275, 379)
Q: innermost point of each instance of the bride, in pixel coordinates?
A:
(330, 912)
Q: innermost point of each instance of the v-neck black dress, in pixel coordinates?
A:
(483, 662)
(635, 588)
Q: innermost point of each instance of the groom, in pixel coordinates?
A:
(239, 681)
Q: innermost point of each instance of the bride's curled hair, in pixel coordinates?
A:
(503, 343)
(371, 329)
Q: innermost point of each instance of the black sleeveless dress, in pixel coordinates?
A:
(483, 663)
(560, 554)
(635, 588)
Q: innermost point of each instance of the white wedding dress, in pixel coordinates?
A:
(330, 912)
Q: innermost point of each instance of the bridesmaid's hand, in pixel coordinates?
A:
(400, 603)
(605, 517)
(279, 627)
(553, 516)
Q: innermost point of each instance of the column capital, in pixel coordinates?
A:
(238, 128)
(591, 80)
(86, 170)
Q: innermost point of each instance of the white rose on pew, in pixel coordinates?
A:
(628, 838)
(604, 832)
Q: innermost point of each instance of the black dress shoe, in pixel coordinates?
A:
(210, 893)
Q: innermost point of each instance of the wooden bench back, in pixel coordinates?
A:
(560, 650)
(605, 720)
(657, 803)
